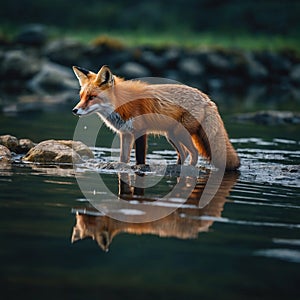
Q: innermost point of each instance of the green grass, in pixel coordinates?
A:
(243, 41)
(183, 38)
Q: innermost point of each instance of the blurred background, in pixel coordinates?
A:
(269, 17)
(245, 55)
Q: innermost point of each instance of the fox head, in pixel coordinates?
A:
(88, 226)
(93, 96)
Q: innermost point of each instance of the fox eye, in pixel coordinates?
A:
(91, 98)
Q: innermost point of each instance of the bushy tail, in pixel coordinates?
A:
(212, 142)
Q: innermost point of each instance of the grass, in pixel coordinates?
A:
(203, 40)
(185, 38)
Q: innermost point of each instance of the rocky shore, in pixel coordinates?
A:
(45, 152)
(34, 65)
(65, 153)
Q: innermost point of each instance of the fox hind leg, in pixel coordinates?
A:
(181, 152)
(182, 141)
(192, 150)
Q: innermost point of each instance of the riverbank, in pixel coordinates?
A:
(33, 63)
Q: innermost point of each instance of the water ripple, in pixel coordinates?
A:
(282, 254)
(243, 222)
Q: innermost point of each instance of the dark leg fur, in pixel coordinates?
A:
(140, 149)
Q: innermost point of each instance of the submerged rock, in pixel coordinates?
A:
(58, 152)
(160, 170)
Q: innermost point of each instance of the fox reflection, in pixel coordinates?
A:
(183, 223)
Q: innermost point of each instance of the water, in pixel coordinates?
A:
(244, 245)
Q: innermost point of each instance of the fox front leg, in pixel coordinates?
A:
(126, 140)
(141, 149)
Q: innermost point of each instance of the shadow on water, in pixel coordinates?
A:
(185, 222)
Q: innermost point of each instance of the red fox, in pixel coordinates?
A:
(185, 222)
(186, 116)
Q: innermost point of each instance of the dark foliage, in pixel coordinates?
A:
(266, 16)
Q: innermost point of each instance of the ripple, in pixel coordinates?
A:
(244, 222)
(282, 254)
(256, 203)
(284, 141)
(290, 242)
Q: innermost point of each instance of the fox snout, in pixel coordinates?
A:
(75, 111)
(79, 111)
(82, 109)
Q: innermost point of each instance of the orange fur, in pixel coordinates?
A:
(103, 229)
(163, 107)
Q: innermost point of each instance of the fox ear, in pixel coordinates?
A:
(76, 235)
(81, 74)
(104, 76)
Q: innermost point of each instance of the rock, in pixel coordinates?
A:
(53, 78)
(32, 35)
(39, 102)
(152, 61)
(276, 63)
(57, 152)
(65, 51)
(5, 154)
(5, 161)
(271, 117)
(216, 62)
(172, 56)
(10, 142)
(52, 152)
(131, 70)
(17, 64)
(295, 74)
(25, 145)
(253, 68)
(2, 55)
(78, 147)
(172, 75)
(161, 170)
(190, 66)
(15, 145)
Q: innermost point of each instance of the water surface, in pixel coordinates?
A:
(245, 244)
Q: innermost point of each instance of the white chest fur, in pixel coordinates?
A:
(115, 122)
